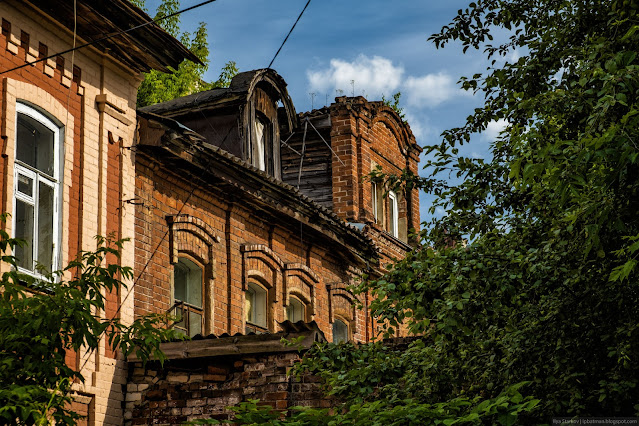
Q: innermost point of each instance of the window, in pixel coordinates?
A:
(187, 294)
(255, 305)
(296, 310)
(393, 214)
(36, 189)
(262, 146)
(378, 202)
(340, 331)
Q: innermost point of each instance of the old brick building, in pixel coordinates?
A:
(225, 237)
(249, 215)
(64, 123)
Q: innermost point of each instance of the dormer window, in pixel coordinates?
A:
(262, 145)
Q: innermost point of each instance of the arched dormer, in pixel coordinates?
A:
(244, 119)
(264, 90)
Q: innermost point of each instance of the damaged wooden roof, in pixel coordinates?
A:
(242, 344)
(143, 49)
(241, 87)
(187, 150)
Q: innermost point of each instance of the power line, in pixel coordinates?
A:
(110, 36)
(289, 33)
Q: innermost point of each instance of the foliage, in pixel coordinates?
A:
(394, 104)
(43, 321)
(502, 410)
(188, 77)
(546, 291)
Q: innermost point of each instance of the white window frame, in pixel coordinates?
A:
(258, 297)
(393, 214)
(374, 198)
(260, 144)
(39, 177)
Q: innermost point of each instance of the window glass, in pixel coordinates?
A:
(24, 220)
(256, 305)
(187, 281)
(393, 214)
(340, 331)
(46, 208)
(36, 144)
(187, 293)
(36, 213)
(296, 310)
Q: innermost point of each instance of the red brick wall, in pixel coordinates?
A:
(365, 134)
(242, 243)
(62, 89)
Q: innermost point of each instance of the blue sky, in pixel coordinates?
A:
(380, 45)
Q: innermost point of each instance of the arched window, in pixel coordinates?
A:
(36, 188)
(296, 310)
(187, 295)
(340, 331)
(256, 308)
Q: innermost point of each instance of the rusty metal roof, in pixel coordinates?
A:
(305, 335)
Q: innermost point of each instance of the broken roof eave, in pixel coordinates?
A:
(243, 344)
(144, 49)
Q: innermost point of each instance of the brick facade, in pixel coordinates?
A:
(238, 247)
(183, 197)
(91, 97)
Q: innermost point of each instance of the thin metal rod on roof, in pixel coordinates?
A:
(324, 140)
(110, 36)
(289, 33)
(288, 146)
(299, 174)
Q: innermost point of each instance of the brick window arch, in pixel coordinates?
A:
(191, 243)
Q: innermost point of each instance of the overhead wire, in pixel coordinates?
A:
(289, 33)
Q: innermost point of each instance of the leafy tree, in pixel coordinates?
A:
(547, 290)
(188, 77)
(42, 321)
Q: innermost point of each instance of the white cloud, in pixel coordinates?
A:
(493, 129)
(513, 56)
(375, 76)
(430, 90)
(419, 127)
